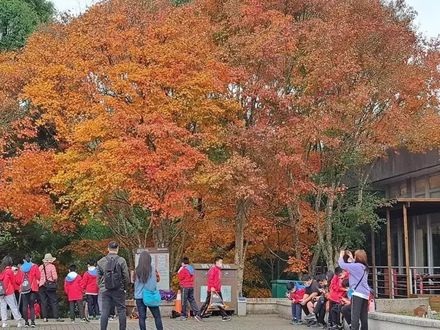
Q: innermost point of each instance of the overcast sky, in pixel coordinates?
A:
(75, 6)
(428, 20)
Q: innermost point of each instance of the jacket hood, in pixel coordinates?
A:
(26, 267)
(71, 276)
(190, 269)
(92, 271)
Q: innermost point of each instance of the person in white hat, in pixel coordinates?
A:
(48, 288)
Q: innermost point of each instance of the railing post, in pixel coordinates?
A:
(390, 272)
(373, 258)
(415, 280)
(406, 243)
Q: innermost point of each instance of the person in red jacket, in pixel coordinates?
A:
(90, 286)
(17, 283)
(28, 278)
(186, 280)
(215, 286)
(296, 294)
(7, 280)
(74, 292)
(336, 295)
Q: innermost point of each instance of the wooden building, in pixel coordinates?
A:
(405, 253)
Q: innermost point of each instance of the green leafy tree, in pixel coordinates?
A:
(43, 8)
(19, 18)
(179, 2)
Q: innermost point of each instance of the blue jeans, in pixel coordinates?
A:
(142, 311)
(296, 311)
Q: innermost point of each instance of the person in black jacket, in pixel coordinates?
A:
(113, 280)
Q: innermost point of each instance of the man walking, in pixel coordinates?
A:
(215, 286)
(113, 279)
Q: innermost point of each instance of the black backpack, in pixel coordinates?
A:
(112, 274)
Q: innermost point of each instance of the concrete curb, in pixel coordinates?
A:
(401, 321)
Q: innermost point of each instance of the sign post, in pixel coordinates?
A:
(160, 258)
(229, 284)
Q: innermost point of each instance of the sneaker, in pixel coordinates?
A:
(183, 318)
(4, 325)
(26, 324)
(46, 320)
(198, 318)
(312, 324)
(33, 324)
(72, 321)
(226, 318)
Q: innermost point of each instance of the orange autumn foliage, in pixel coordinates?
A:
(24, 191)
(218, 117)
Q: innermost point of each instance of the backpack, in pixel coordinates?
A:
(2, 289)
(112, 274)
(26, 285)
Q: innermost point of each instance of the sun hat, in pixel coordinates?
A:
(48, 258)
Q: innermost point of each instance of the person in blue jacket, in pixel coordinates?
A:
(146, 279)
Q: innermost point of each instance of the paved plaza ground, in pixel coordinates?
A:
(254, 322)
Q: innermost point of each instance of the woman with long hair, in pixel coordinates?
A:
(145, 279)
(358, 280)
(7, 278)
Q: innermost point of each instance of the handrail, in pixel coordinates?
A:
(422, 280)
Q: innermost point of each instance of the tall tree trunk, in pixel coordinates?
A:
(327, 249)
(325, 230)
(314, 261)
(240, 246)
(294, 218)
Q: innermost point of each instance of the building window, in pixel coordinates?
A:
(435, 230)
(398, 190)
(394, 191)
(420, 187)
(434, 185)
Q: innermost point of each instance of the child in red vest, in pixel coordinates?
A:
(90, 286)
(186, 281)
(296, 295)
(74, 291)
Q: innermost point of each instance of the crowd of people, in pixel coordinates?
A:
(327, 300)
(27, 286)
(343, 295)
(30, 290)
